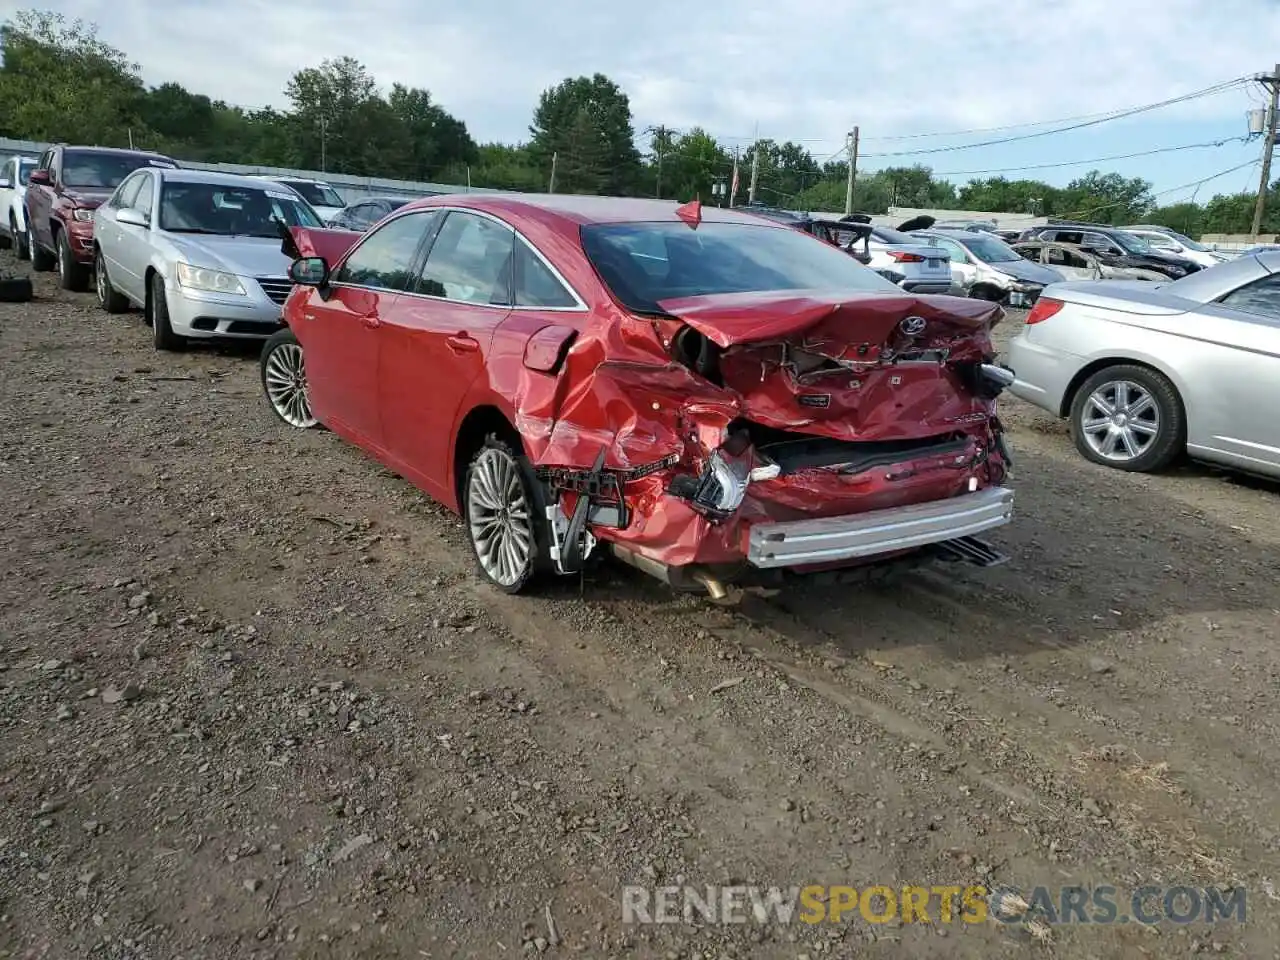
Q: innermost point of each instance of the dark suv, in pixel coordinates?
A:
(1120, 248)
(64, 189)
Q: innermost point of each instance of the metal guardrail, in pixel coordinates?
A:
(350, 188)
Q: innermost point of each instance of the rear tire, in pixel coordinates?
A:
(1130, 418)
(162, 332)
(72, 276)
(108, 299)
(504, 511)
(41, 260)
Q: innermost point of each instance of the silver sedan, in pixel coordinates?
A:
(199, 252)
(1148, 372)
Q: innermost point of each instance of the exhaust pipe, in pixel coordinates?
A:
(661, 571)
(715, 589)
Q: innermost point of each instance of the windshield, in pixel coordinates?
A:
(646, 263)
(1189, 243)
(24, 170)
(989, 249)
(103, 171)
(316, 194)
(1131, 242)
(231, 211)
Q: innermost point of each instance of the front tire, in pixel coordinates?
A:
(1129, 417)
(504, 512)
(284, 380)
(72, 276)
(162, 331)
(41, 260)
(108, 299)
(20, 245)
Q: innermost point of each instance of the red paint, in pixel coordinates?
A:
(691, 213)
(572, 382)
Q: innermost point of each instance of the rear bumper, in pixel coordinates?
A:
(866, 535)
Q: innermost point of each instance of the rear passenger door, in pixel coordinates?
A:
(436, 342)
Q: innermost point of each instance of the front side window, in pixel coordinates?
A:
(470, 260)
(231, 211)
(385, 258)
(126, 194)
(1261, 297)
(96, 170)
(646, 263)
(142, 201)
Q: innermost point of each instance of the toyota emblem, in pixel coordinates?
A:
(912, 326)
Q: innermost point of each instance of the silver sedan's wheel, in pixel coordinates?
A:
(500, 518)
(1121, 420)
(1129, 417)
(284, 379)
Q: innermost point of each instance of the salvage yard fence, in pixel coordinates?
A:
(350, 188)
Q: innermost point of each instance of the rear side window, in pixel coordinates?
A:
(536, 285)
(1261, 297)
(646, 263)
(470, 260)
(385, 258)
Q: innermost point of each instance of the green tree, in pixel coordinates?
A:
(585, 123)
(1106, 198)
(437, 139)
(60, 82)
(328, 103)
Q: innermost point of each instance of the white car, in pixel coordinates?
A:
(323, 198)
(13, 191)
(1168, 241)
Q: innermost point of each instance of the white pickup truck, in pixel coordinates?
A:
(13, 189)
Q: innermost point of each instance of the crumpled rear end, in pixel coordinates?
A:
(734, 412)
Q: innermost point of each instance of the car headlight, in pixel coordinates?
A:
(82, 214)
(213, 281)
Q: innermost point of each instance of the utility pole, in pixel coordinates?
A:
(853, 171)
(755, 173)
(552, 187)
(324, 131)
(661, 134)
(1260, 207)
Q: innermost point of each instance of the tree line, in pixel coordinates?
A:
(59, 81)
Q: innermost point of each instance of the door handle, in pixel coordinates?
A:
(371, 322)
(463, 343)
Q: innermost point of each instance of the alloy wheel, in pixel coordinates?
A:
(285, 377)
(500, 517)
(100, 279)
(1120, 420)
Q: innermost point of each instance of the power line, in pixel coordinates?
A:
(1079, 163)
(1119, 115)
(1224, 85)
(1161, 193)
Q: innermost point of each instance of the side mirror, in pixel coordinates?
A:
(6, 183)
(40, 178)
(309, 271)
(134, 218)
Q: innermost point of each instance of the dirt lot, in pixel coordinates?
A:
(253, 702)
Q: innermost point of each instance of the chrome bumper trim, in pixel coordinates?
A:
(831, 539)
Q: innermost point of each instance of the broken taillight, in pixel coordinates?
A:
(1045, 308)
(902, 257)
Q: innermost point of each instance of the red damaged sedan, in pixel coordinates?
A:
(702, 392)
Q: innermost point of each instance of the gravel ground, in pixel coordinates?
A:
(254, 703)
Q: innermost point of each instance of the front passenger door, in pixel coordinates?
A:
(341, 330)
(437, 342)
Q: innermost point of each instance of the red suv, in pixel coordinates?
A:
(62, 193)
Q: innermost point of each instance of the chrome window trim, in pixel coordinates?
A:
(580, 305)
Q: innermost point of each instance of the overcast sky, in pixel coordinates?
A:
(805, 70)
